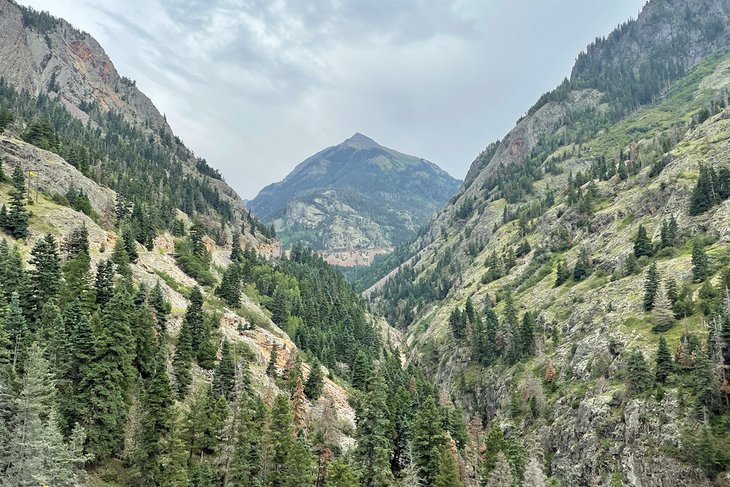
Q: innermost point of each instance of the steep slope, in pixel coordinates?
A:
(526, 297)
(356, 195)
(48, 59)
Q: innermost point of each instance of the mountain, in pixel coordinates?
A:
(572, 295)
(355, 195)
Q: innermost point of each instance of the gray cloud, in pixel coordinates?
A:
(255, 86)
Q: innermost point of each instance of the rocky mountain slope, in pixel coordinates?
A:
(44, 55)
(356, 195)
(527, 296)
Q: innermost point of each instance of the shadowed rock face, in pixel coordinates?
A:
(357, 194)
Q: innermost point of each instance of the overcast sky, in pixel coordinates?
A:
(256, 86)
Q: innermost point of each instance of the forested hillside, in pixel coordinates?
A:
(150, 332)
(574, 295)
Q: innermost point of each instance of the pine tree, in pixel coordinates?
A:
(282, 440)
(224, 377)
(130, 244)
(457, 324)
(17, 329)
(664, 364)
(340, 474)
(39, 455)
(142, 326)
(45, 276)
(74, 362)
(104, 283)
(230, 286)
(583, 266)
(195, 319)
(182, 360)
(562, 273)
(246, 465)
(651, 285)
(372, 450)
(156, 423)
(17, 219)
(700, 262)
(110, 376)
(236, 247)
(300, 469)
(638, 376)
(161, 307)
(273, 358)
(623, 173)
(361, 371)
(315, 382)
(662, 311)
(428, 440)
(527, 333)
(704, 195)
(642, 243)
(120, 258)
(448, 471)
(669, 232)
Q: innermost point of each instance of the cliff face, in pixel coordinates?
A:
(49, 56)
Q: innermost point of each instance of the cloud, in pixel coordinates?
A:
(255, 86)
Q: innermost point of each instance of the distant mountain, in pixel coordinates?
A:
(355, 195)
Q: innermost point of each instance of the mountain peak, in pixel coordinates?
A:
(360, 141)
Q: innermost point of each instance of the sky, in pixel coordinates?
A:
(257, 86)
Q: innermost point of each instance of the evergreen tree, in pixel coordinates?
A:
(669, 232)
(161, 307)
(651, 285)
(315, 382)
(17, 329)
(361, 371)
(448, 471)
(704, 195)
(664, 364)
(527, 333)
(230, 286)
(246, 465)
(457, 324)
(372, 451)
(142, 326)
(642, 243)
(273, 358)
(120, 258)
(45, 276)
(17, 218)
(195, 319)
(182, 360)
(39, 455)
(236, 247)
(300, 470)
(340, 474)
(104, 282)
(700, 262)
(156, 423)
(75, 352)
(583, 266)
(110, 376)
(224, 380)
(130, 244)
(638, 376)
(562, 273)
(282, 442)
(428, 440)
